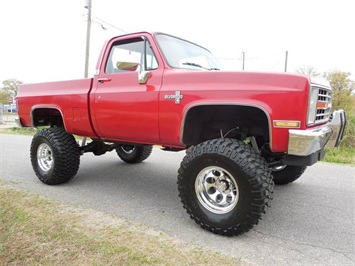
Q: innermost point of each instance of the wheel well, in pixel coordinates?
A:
(214, 121)
(47, 117)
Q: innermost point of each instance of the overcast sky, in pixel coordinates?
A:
(44, 40)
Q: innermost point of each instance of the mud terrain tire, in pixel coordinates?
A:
(288, 174)
(225, 186)
(133, 153)
(55, 156)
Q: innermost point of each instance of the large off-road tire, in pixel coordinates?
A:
(225, 186)
(286, 174)
(133, 153)
(55, 156)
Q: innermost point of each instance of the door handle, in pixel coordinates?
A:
(102, 80)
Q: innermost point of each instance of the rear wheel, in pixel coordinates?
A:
(225, 186)
(133, 153)
(287, 173)
(55, 156)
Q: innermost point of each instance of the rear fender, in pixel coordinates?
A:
(47, 115)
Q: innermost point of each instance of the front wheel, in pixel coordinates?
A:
(286, 174)
(55, 156)
(225, 186)
(133, 153)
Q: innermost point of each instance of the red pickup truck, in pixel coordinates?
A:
(242, 131)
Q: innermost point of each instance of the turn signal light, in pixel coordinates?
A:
(286, 123)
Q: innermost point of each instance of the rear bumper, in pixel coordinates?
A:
(306, 147)
(18, 122)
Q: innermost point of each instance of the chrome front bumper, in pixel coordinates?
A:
(307, 142)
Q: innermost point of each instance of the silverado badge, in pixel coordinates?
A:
(177, 96)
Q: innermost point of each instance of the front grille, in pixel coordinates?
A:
(323, 105)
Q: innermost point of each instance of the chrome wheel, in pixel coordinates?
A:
(133, 154)
(45, 157)
(278, 168)
(129, 149)
(216, 190)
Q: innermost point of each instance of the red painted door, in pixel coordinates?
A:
(124, 109)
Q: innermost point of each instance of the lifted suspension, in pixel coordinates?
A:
(97, 147)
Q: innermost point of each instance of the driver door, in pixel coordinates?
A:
(124, 109)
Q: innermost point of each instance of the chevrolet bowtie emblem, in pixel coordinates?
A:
(177, 96)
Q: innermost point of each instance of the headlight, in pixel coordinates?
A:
(312, 105)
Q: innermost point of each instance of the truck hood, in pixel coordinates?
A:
(232, 80)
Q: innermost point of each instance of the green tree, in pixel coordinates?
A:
(343, 87)
(11, 86)
(4, 97)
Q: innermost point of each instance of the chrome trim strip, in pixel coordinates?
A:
(324, 95)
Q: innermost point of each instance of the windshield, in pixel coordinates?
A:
(182, 54)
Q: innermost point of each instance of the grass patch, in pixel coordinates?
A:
(36, 231)
(344, 155)
(29, 131)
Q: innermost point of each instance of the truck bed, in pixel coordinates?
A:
(70, 98)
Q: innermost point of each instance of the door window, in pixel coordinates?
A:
(138, 49)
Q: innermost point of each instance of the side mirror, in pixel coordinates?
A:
(128, 63)
(143, 77)
(131, 63)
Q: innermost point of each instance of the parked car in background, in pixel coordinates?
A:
(10, 108)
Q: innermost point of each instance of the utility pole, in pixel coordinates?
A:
(243, 61)
(88, 29)
(286, 58)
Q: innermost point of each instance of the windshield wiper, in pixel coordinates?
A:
(198, 65)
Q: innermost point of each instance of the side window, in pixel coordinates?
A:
(138, 48)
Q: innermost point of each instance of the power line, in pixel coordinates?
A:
(109, 24)
(268, 61)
